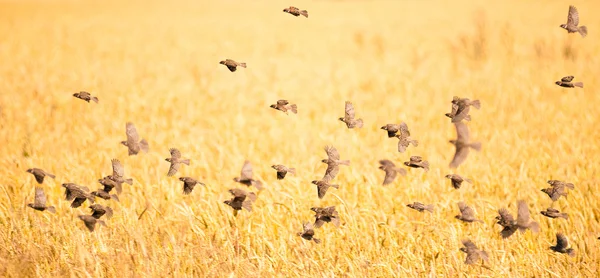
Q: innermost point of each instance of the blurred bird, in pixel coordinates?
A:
(40, 174)
(282, 171)
(118, 174)
(90, 222)
(176, 161)
(421, 207)
(295, 11)
(523, 222)
(246, 177)
(100, 193)
(554, 213)
(561, 245)
(85, 96)
(333, 162)
(566, 82)
(325, 215)
(473, 253)
(308, 232)
(39, 202)
(556, 191)
(457, 180)
(134, 144)
(77, 194)
(284, 106)
(417, 162)
(391, 171)
(462, 145)
(99, 210)
(349, 117)
(392, 129)
(232, 65)
(189, 184)
(466, 213)
(461, 108)
(109, 184)
(324, 185)
(241, 199)
(572, 23)
(404, 141)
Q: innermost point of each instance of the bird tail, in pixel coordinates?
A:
(119, 188)
(186, 161)
(294, 108)
(318, 223)
(91, 198)
(414, 142)
(359, 123)
(305, 14)
(51, 209)
(426, 166)
(114, 196)
(469, 180)
(468, 118)
(50, 175)
(583, 31)
(476, 146)
(252, 196)
(292, 170)
(571, 252)
(129, 181)
(95, 99)
(101, 222)
(578, 84)
(564, 215)
(243, 65)
(534, 226)
(247, 204)
(344, 162)
(144, 145)
(570, 185)
(336, 186)
(429, 208)
(476, 104)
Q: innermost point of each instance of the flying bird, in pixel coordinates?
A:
(523, 222)
(78, 194)
(109, 184)
(333, 162)
(567, 82)
(466, 213)
(349, 117)
(417, 162)
(572, 23)
(457, 180)
(176, 161)
(393, 129)
(40, 174)
(324, 185)
(421, 207)
(85, 96)
(557, 189)
(404, 141)
(462, 145)
(39, 202)
(283, 170)
(118, 174)
(232, 65)
(391, 171)
(473, 253)
(241, 199)
(100, 193)
(326, 215)
(295, 11)
(246, 177)
(99, 210)
(554, 213)
(285, 106)
(461, 108)
(189, 184)
(308, 232)
(134, 144)
(561, 245)
(90, 222)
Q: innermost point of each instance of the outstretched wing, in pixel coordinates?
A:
(132, 136)
(118, 169)
(567, 78)
(332, 153)
(175, 153)
(561, 241)
(462, 132)
(40, 198)
(349, 111)
(522, 214)
(459, 156)
(573, 18)
(246, 171)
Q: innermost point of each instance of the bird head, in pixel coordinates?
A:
(76, 94)
(168, 159)
(463, 249)
(410, 205)
(182, 178)
(545, 190)
(29, 171)
(274, 167)
(287, 10)
(384, 127)
(30, 205)
(124, 143)
(558, 82)
(457, 216)
(449, 115)
(341, 119)
(222, 62)
(563, 26)
(227, 202)
(449, 176)
(326, 161)
(274, 106)
(407, 163)
(452, 142)
(314, 182)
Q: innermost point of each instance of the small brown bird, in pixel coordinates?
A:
(284, 106)
(246, 177)
(473, 253)
(118, 174)
(105, 195)
(85, 96)
(326, 215)
(523, 222)
(417, 162)
(134, 144)
(189, 184)
(109, 184)
(39, 202)
(349, 117)
(308, 233)
(333, 162)
(461, 108)
(466, 213)
(554, 213)
(457, 180)
(282, 171)
(99, 210)
(241, 199)
(421, 207)
(566, 82)
(176, 161)
(561, 245)
(462, 145)
(323, 185)
(295, 11)
(78, 194)
(392, 129)
(90, 222)
(232, 65)
(391, 171)
(40, 174)
(572, 23)
(557, 190)
(404, 140)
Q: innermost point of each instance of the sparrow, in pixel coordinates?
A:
(349, 118)
(295, 11)
(232, 65)
(134, 144)
(462, 145)
(85, 96)
(282, 171)
(176, 161)
(90, 222)
(461, 108)
(566, 82)
(325, 215)
(284, 106)
(40, 174)
(308, 233)
(523, 222)
(105, 195)
(333, 162)
(392, 129)
(466, 213)
(561, 245)
(39, 202)
(323, 185)
(241, 199)
(77, 194)
(189, 184)
(391, 171)
(118, 174)
(473, 253)
(417, 162)
(555, 191)
(554, 213)
(457, 180)
(109, 184)
(99, 210)
(420, 207)
(573, 21)
(246, 177)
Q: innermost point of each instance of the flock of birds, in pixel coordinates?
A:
(243, 199)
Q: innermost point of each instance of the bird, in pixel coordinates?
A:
(118, 174)
(421, 207)
(283, 170)
(308, 233)
(232, 65)
(457, 180)
(176, 161)
(134, 144)
(523, 222)
(473, 253)
(349, 117)
(461, 108)
(99, 210)
(85, 96)
(78, 194)
(566, 82)
(40, 174)
(189, 184)
(561, 245)
(555, 192)
(417, 162)
(241, 199)
(100, 193)
(246, 177)
(323, 185)
(466, 213)
(333, 162)
(285, 106)
(90, 222)
(393, 129)
(326, 215)
(572, 23)
(554, 213)
(404, 141)
(295, 11)
(39, 202)
(109, 184)
(391, 171)
(462, 145)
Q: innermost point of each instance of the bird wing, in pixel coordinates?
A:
(573, 18)
(175, 153)
(505, 215)
(461, 113)
(282, 102)
(403, 128)
(462, 132)
(390, 175)
(349, 115)
(332, 153)
(238, 193)
(567, 78)
(331, 171)
(173, 169)
(132, 136)
(459, 156)
(522, 214)
(561, 241)
(246, 171)
(117, 167)
(40, 198)
(387, 163)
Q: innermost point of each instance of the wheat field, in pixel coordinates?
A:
(156, 64)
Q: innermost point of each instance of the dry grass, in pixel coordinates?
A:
(155, 63)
